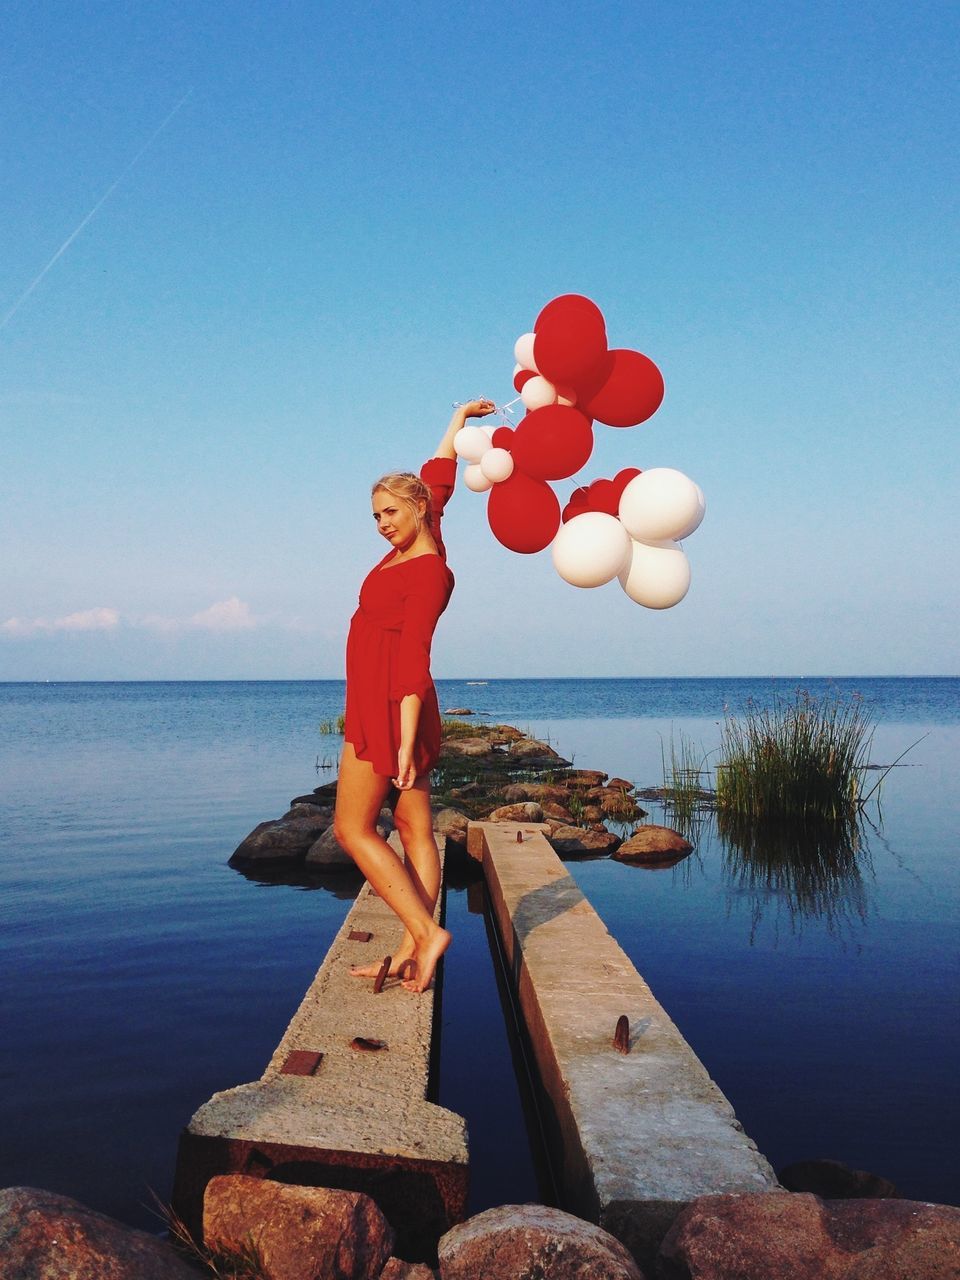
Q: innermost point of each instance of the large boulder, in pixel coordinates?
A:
(44, 1236)
(282, 840)
(581, 842)
(517, 1242)
(328, 854)
(298, 1233)
(654, 844)
(525, 811)
(788, 1236)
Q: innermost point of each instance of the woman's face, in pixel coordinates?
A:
(395, 519)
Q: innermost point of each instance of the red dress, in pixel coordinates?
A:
(388, 647)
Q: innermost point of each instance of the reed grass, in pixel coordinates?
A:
(335, 725)
(799, 760)
(684, 795)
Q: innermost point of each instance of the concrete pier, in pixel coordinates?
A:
(329, 1113)
(635, 1135)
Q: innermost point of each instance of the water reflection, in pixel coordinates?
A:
(811, 871)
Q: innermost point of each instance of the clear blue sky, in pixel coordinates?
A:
(343, 229)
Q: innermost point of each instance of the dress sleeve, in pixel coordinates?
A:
(424, 600)
(441, 475)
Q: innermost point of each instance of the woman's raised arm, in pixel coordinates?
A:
(472, 409)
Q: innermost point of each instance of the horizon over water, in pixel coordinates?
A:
(148, 975)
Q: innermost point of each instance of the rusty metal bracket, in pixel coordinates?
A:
(301, 1062)
(381, 977)
(359, 935)
(621, 1037)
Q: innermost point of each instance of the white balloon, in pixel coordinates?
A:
(537, 392)
(488, 431)
(471, 443)
(497, 464)
(590, 549)
(523, 352)
(657, 575)
(474, 479)
(694, 524)
(659, 504)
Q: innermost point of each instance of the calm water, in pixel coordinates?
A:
(141, 974)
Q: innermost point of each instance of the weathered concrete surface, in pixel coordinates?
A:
(634, 1137)
(362, 1121)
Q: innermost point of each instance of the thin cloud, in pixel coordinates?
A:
(100, 619)
(222, 616)
(226, 615)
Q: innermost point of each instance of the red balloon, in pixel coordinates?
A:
(521, 377)
(553, 442)
(523, 513)
(631, 394)
(603, 496)
(571, 339)
(577, 503)
(502, 438)
(621, 480)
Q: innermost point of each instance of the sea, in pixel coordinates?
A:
(141, 974)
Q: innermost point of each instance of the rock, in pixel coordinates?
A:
(531, 749)
(467, 747)
(795, 1236)
(299, 1233)
(620, 784)
(617, 804)
(502, 733)
(832, 1180)
(328, 854)
(575, 842)
(527, 811)
(452, 824)
(583, 778)
(653, 844)
(520, 1242)
(533, 791)
(281, 840)
(315, 798)
(558, 812)
(458, 711)
(591, 813)
(44, 1236)
(305, 809)
(397, 1269)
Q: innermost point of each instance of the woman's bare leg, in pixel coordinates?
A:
(360, 795)
(414, 819)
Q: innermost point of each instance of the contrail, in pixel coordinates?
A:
(96, 208)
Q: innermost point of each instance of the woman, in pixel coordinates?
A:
(392, 722)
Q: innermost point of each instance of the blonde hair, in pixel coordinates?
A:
(410, 490)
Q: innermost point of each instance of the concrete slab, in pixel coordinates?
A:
(363, 1119)
(634, 1136)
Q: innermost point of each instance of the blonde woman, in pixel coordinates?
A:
(392, 729)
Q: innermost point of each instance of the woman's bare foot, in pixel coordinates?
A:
(403, 953)
(425, 958)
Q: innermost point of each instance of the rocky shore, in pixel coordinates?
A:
(490, 772)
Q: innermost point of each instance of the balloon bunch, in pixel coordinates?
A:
(629, 528)
(567, 378)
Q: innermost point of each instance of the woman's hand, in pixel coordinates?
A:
(472, 409)
(406, 773)
(478, 408)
